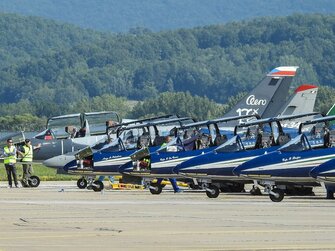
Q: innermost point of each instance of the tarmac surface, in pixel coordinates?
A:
(59, 216)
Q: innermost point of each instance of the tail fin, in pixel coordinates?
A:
(331, 111)
(267, 97)
(302, 101)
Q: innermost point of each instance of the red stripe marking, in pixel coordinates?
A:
(305, 87)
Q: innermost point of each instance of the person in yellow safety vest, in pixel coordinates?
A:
(10, 153)
(27, 159)
(145, 163)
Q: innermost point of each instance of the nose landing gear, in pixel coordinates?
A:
(90, 183)
(275, 194)
(32, 181)
(212, 191)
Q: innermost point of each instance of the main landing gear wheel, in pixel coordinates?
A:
(255, 191)
(212, 191)
(278, 195)
(155, 188)
(97, 186)
(82, 183)
(34, 181)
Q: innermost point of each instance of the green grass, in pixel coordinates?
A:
(43, 172)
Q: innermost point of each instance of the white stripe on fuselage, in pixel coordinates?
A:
(169, 163)
(116, 161)
(308, 162)
(220, 164)
(327, 172)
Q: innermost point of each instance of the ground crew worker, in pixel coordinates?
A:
(173, 181)
(10, 153)
(27, 159)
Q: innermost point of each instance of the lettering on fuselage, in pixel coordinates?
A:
(169, 158)
(291, 158)
(112, 157)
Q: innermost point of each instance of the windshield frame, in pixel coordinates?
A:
(304, 144)
(236, 140)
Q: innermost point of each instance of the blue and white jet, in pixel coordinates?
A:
(291, 164)
(191, 140)
(214, 170)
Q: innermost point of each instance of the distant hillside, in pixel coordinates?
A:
(24, 38)
(47, 68)
(121, 16)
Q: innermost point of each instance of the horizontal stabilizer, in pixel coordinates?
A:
(283, 71)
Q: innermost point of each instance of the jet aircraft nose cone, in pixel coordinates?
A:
(237, 170)
(325, 170)
(58, 161)
(313, 173)
(176, 169)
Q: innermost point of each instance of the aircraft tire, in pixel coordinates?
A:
(34, 181)
(82, 183)
(279, 197)
(213, 191)
(97, 186)
(157, 189)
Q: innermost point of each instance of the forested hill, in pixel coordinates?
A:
(23, 38)
(48, 68)
(121, 16)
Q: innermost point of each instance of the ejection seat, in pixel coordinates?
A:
(144, 140)
(283, 139)
(331, 136)
(220, 139)
(267, 140)
(72, 131)
(190, 143)
(159, 140)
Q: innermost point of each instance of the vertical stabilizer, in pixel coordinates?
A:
(331, 111)
(302, 101)
(268, 96)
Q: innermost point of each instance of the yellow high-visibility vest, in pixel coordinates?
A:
(28, 153)
(9, 159)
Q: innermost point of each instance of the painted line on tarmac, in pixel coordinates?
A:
(168, 201)
(68, 235)
(318, 246)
